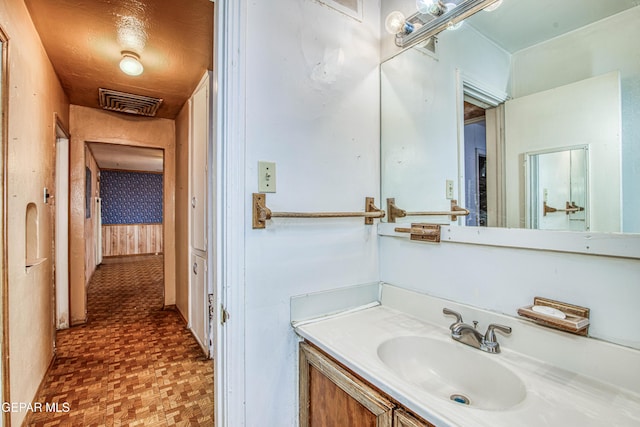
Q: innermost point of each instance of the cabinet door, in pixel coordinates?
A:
(331, 396)
(404, 419)
(198, 307)
(199, 153)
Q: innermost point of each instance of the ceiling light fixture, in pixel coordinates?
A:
(130, 63)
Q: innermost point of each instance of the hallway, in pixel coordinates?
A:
(132, 363)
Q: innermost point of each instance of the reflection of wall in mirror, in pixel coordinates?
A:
(581, 113)
(419, 131)
(602, 47)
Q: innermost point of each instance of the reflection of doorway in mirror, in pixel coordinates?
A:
(480, 148)
(475, 156)
(557, 197)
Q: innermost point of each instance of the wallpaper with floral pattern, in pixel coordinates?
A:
(131, 197)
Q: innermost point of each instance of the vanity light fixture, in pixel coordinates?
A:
(493, 6)
(437, 8)
(130, 63)
(433, 16)
(397, 24)
(432, 7)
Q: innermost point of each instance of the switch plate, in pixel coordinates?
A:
(266, 177)
(449, 189)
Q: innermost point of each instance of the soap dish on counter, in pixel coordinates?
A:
(558, 315)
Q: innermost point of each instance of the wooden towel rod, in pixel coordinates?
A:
(261, 213)
(396, 212)
(569, 208)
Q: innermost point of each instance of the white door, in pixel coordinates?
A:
(98, 233)
(200, 142)
(62, 233)
(198, 180)
(199, 317)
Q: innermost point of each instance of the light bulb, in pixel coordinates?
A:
(449, 7)
(130, 64)
(455, 26)
(431, 7)
(396, 23)
(493, 6)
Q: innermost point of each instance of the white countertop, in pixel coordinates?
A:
(554, 396)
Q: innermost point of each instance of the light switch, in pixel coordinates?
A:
(449, 189)
(266, 177)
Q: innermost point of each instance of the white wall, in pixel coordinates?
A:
(312, 102)
(505, 279)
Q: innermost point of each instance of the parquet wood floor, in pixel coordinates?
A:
(132, 363)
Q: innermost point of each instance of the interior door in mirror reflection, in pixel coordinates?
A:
(557, 194)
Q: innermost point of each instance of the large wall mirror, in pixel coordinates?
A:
(526, 115)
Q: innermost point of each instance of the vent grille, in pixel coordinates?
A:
(128, 103)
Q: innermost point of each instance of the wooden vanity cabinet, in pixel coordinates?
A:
(402, 418)
(332, 396)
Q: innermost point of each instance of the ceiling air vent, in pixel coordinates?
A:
(129, 103)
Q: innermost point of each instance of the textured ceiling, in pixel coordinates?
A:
(124, 157)
(84, 40)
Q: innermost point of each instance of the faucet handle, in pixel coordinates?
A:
(490, 335)
(453, 313)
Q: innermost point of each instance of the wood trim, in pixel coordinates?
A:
(131, 170)
(4, 114)
(367, 396)
(402, 418)
(137, 223)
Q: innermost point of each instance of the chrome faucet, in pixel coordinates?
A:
(470, 336)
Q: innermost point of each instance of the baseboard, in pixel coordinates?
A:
(27, 419)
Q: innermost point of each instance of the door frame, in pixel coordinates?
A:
(229, 121)
(62, 301)
(4, 285)
(466, 85)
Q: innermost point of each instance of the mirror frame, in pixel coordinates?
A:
(603, 244)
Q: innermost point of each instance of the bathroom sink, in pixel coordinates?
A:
(453, 371)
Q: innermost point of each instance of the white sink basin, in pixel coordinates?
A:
(453, 371)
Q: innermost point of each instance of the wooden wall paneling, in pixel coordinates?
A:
(122, 239)
(131, 239)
